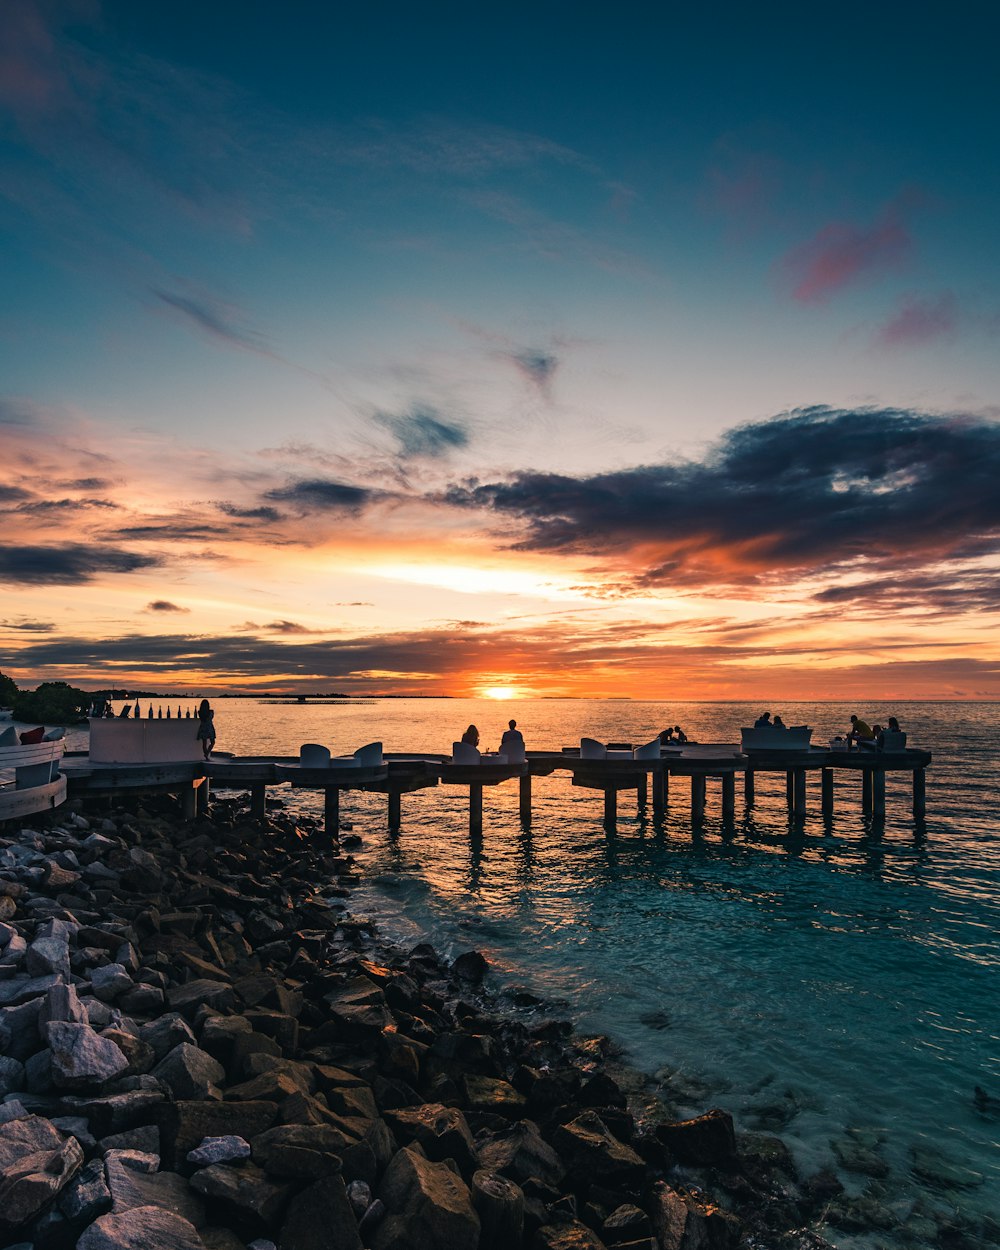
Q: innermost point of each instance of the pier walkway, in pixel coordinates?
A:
(859, 772)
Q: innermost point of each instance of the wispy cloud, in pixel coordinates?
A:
(919, 320)
(424, 432)
(218, 321)
(843, 252)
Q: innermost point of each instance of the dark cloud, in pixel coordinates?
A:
(13, 494)
(322, 495)
(215, 321)
(424, 432)
(164, 605)
(62, 506)
(251, 514)
(538, 367)
(276, 627)
(172, 531)
(67, 564)
(87, 483)
(814, 489)
(946, 593)
(30, 627)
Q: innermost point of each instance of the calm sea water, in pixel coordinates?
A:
(833, 982)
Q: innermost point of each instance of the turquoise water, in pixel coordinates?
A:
(833, 982)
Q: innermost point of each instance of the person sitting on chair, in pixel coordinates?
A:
(860, 731)
(512, 742)
(471, 736)
(666, 735)
(762, 720)
(778, 723)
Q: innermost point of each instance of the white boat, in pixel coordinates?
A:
(30, 780)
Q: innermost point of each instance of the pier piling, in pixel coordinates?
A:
(728, 796)
(826, 791)
(698, 798)
(866, 792)
(331, 811)
(748, 787)
(475, 808)
(524, 798)
(919, 793)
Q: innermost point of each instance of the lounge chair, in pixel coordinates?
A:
(651, 751)
(591, 749)
(312, 755)
(464, 753)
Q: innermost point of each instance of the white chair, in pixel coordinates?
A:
(369, 756)
(312, 755)
(591, 749)
(513, 755)
(651, 751)
(464, 753)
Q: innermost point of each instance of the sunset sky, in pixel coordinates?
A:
(570, 349)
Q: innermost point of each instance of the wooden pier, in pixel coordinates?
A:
(839, 773)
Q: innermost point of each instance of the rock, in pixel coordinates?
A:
(360, 1196)
(143, 1000)
(110, 982)
(139, 1054)
(706, 1141)
(682, 1221)
(47, 955)
(569, 1236)
(595, 1154)
(428, 1206)
(131, 1189)
(245, 1192)
(471, 966)
(190, 1073)
(11, 1075)
(522, 1154)
(30, 1181)
(485, 1093)
(305, 1151)
(21, 989)
(442, 1131)
(145, 1139)
(625, 1224)
(187, 998)
(81, 1058)
(115, 1113)
(184, 1124)
(219, 1150)
(166, 1033)
(61, 1003)
(141, 1229)
(321, 1218)
(87, 1196)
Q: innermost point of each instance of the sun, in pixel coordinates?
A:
(499, 692)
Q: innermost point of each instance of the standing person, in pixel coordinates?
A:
(512, 742)
(206, 727)
(471, 736)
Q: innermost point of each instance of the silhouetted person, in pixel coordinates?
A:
(206, 727)
(778, 723)
(679, 734)
(471, 736)
(512, 741)
(860, 731)
(763, 719)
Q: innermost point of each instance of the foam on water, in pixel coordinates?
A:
(835, 983)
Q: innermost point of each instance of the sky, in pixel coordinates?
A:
(526, 350)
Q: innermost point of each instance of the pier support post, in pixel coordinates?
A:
(331, 811)
(826, 786)
(799, 792)
(697, 798)
(258, 800)
(189, 802)
(475, 808)
(395, 811)
(748, 787)
(789, 790)
(866, 792)
(524, 798)
(642, 793)
(878, 792)
(659, 780)
(728, 796)
(919, 793)
(610, 806)
(202, 791)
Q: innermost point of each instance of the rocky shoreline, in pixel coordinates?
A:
(202, 1049)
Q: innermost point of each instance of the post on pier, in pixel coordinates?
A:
(524, 798)
(866, 792)
(878, 792)
(659, 778)
(395, 817)
(258, 800)
(642, 793)
(331, 811)
(748, 787)
(475, 808)
(610, 806)
(799, 791)
(189, 802)
(728, 796)
(826, 787)
(919, 793)
(698, 797)
(202, 790)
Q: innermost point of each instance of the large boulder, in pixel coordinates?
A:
(706, 1141)
(81, 1058)
(683, 1221)
(594, 1154)
(321, 1218)
(37, 1164)
(428, 1205)
(141, 1229)
(442, 1131)
(190, 1073)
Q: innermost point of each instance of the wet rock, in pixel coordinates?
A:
(593, 1153)
(858, 1151)
(470, 966)
(321, 1218)
(522, 1154)
(940, 1172)
(567, 1236)
(488, 1094)
(681, 1221)
(706, 1141)
(190, 1073)
(219, 1150)
(81, 1058)
(428, 1206)
(141, 1229)
(442, 1132)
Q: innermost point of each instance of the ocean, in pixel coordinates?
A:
(831, 981)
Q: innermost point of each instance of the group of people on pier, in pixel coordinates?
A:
(859, 732)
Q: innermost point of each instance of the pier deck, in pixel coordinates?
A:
(405, 773)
